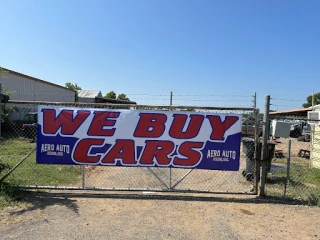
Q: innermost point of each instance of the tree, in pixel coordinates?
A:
(122, 96)
(4, 108)
(111, 94)
(72, 86)
(2, 72)
(261, 115)
(309, 100)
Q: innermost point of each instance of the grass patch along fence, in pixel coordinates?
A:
(303, 183)
(12, 151)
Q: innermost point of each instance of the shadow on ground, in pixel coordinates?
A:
(36, 200)
(174, 197)
(40, 200)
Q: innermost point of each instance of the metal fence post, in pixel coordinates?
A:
(264, 152)
(256, 153)
(288, 168)
(170, 169)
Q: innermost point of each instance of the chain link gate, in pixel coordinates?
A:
(17, 150)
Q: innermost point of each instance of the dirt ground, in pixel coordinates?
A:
(114, 215)
(60, 215)
(295, 146)
(159, 178)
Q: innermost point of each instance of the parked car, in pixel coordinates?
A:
(29, 128)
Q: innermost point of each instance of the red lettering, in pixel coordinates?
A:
(219, 128)
(158, 150)
(150, 125)
(193, 156)
(179, 121)
(82, 150)
(101, 120)
(122, 149)
(64, 120)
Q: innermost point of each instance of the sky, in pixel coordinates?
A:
(205, 52)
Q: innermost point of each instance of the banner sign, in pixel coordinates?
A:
(135, 138)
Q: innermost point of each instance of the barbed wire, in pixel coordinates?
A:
(209, 100)
(208, 105)
(218, 100)
(192, 100)
(189, 95)
(143, 94)
(280, 105)
(147, 94)
(208, 95)
(287, 100)
(158, 99)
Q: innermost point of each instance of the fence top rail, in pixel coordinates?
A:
(132, 105)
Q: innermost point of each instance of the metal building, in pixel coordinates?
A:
(27, 88)
(93, 96)
(88, 96)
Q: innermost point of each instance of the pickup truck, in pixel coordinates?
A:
(29, 129)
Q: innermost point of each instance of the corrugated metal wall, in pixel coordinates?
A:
(31, 90)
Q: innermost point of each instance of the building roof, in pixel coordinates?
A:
(115, 101)
(36, 79)
(88, 93)
(295, 112)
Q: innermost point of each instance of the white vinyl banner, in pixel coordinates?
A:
(138, 138)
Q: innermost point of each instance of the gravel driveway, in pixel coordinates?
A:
(59, 215)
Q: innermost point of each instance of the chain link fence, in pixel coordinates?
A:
(295, 169)
(17, 153)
